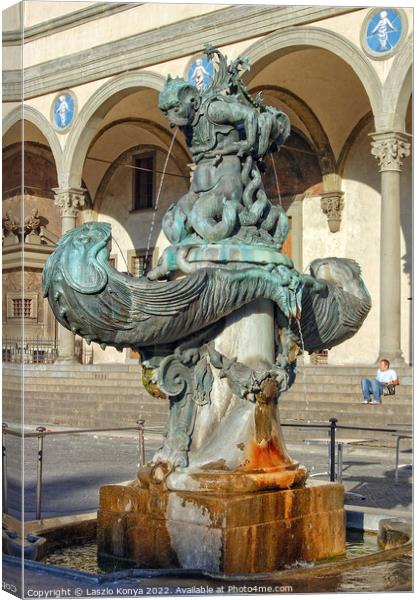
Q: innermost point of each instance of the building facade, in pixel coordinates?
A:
(96, 146)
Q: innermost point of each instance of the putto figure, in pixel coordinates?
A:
(198, 74)
(382, 29)
(62, 110)
(229, 134)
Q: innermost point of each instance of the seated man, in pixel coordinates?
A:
(384, 376)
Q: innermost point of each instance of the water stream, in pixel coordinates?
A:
(156, 205)
(303, 371)
(276, 180)
(298, 321)
(122, 254)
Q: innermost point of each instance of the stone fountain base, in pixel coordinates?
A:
(221, 533)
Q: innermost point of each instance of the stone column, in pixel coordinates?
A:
(69, 201)
(390, 148)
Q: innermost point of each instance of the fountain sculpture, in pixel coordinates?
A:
(218, 323)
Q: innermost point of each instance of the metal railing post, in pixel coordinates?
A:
(4, 467)
(332, 446)
(41, 431)
(141, 449)
(340, 462)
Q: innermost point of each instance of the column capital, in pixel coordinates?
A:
(69, 200)
(390, 148)
(332, 206)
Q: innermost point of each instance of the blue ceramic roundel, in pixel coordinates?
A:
(201, 72)
(63, 111)
(384, 30)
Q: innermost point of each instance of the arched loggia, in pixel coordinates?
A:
(90, 118)
(397, 90)
(30, 114)
(317, 133)
(124, 157)
(289, 40)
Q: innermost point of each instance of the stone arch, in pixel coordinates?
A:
(156, 129)
(352, 137)
(28, 113)
(90, 117)
(43, 149)
(318, 135)
(118, 162)
(36, 149)
(397, 89)
(287, 40)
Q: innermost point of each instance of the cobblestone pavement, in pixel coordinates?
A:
(75, 466)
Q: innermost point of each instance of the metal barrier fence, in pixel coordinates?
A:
(29, 350)
(41, 432)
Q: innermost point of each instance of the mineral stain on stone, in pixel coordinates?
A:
(215, 465)
(188, 542)
(266, 454)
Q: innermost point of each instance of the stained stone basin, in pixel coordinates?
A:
(374, 561)
(221, 533)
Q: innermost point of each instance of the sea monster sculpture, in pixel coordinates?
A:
(226, 240)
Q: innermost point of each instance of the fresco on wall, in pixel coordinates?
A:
(40, 175)
(297, 170)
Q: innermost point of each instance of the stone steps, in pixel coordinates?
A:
(94, 419)
(350, 386)
(112, 396)
(351, 383)
(67, 376)
(341, 402)
(380, 418)
(363, 370)
(39, 369)
(348, 380)
(132, 368)
(339, 384)
(340, 396)
(402, 397)
(86, 390)
(290, 400)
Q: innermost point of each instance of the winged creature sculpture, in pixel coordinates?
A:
(226, 239)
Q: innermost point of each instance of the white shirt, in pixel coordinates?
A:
(386, 376)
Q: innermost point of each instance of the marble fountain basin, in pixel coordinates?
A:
(378, 558)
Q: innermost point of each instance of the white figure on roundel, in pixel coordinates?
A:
(382, 28)
(62, 110)
(199, 74)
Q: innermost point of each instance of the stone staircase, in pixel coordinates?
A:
(82, 396)
(89, 396)
(322, 392)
